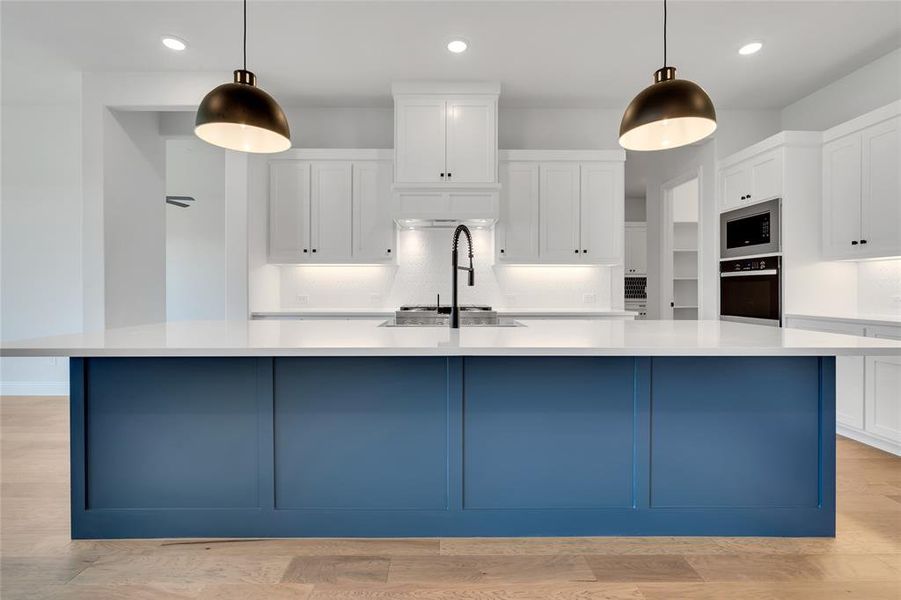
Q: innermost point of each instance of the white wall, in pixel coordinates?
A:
(40, 209)
(879, 287)
(869, 87)
(636, 209)
(195, 236)
(134, 219)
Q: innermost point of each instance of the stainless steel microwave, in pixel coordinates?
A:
(751, 230)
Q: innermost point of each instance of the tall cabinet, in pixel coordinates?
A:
(330, 206)
(561, 207)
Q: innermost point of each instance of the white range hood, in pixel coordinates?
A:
(445, 154)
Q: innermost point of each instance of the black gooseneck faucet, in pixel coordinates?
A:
(455, 308)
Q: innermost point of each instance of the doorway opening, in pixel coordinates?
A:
(680, 280)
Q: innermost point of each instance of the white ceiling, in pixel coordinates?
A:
(592, 54)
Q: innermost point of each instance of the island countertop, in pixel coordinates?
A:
(366, 337)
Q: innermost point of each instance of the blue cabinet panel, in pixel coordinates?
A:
(363, 433)
(171, 433)
(735, 432)
(555, 432)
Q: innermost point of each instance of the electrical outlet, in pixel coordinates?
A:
(590, 298)
(375, 299)
(303, 299)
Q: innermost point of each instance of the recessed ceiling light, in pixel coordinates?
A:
(750, 48)
(457, 46)
(173, 43)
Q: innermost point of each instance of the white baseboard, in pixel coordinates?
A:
(34, 388)
(870, 440)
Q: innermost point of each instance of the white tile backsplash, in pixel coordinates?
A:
(879, 287)
(423, 271)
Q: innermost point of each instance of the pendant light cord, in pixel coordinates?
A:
(245, 35)
(664, 32)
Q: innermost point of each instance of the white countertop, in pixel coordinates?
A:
(387, 312)
(364, 337)
(863, 319)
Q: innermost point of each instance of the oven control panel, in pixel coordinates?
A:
(762, 263)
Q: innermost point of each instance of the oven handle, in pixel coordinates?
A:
(749, 273)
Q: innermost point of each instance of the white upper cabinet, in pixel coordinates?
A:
(636, 249)
(420, 134)
(373, 227)
(335, 210)
(560, 206)
(751, 180)
(289, 211)
(330, 210)
(862, 186)
(517, 230)
(880, 226)
(560, 212)
(602, 200)
(471, 139)
(445, 133)
(841, 196)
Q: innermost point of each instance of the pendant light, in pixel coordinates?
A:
(241, 116)
(669, 113)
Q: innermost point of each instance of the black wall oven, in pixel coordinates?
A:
(751, 290)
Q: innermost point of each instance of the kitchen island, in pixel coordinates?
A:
(348, 428)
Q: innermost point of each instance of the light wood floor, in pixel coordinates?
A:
(39, 560)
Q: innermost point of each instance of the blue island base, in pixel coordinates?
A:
(452, 446)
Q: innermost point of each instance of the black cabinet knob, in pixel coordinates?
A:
(853, 242)
(863, 241)
(389, 250)
(502, 250)
(304, 250)
(442, 174)
(576, 251)
(314, 249)
(449, 174)
(584, 251)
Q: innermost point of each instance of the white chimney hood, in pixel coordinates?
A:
(418, 206)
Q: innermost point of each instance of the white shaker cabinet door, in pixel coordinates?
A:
(289, 211)
(517, 231)
(373, 227)
(602, 201)
(735, 187)
(841, 197)
(766, 176)
(560, 230)
(471, 139)
(420, 134)
(880, 228)
(883, 396)
(849, 402)
(636, 248)
(330, 211)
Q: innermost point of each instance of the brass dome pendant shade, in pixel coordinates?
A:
(669, 113)
(241, 116)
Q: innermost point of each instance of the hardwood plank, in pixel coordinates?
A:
(770, 591)
(642, 568)
(337, 569)
(242, 591)
(579, 545)
(108, 592)
(756, 567)
(856, 567)
(306, 547)
(179, 569)
(490, 569)
(560, 591)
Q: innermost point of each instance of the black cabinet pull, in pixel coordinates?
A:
(672, 305)
(502, 250)
(853, 242)
(314, 249)
(584, 251)
(304, 250)
(863, 241)
(576, 251)
(442, 175)
(389, 250)
(449, 174)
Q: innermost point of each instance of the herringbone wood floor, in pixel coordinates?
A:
(39, 560)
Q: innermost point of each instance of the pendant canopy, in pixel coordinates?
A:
(240, 116)
(669, 113)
